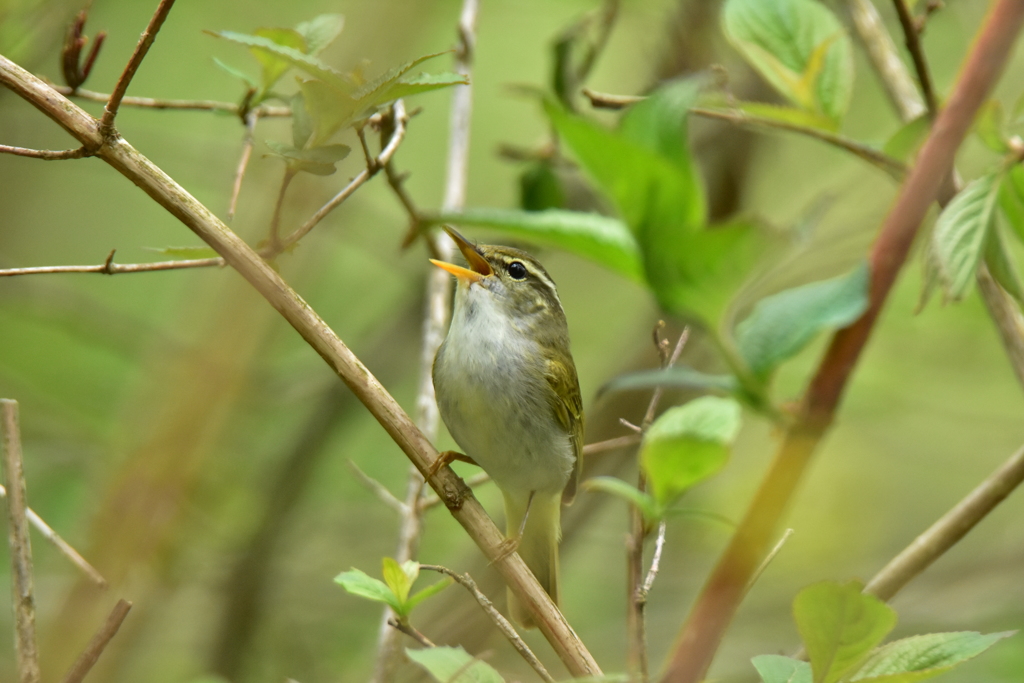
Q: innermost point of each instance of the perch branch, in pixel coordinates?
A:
(175, 199)
(45, 154)
(703, 631)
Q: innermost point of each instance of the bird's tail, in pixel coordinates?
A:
(539, 545)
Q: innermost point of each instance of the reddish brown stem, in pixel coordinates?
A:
(703, 631)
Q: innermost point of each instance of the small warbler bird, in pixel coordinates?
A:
(507, 389)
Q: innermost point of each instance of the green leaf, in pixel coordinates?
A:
(237, 73)
(321, 31)
(676, 377)
(186, 252)
(989, 124)
(960, 233)
(905, 142)
(782, 324)
(840, 625)
(317, 160)
(378, 91)
(688, 444)
(454, 665)
(774, 112)
(329, 108)
(603, 240)
(296, 58)
(798, 46)
(780, 669)
(398, 578)
(361, 584)
(416, 85)
(920, 657)
(629, 493)
(1011, 199)
(432, 589)
(1000, 265)
(273, 64)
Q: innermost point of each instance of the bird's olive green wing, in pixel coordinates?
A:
(567, 405)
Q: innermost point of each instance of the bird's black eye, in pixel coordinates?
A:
(517, 271)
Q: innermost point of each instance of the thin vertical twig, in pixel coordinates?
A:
(251, 118)
(705, 627)
(913, 39)
(435, 322)
(21, 546)
(83, 665)
(145, 42)
(636, 595)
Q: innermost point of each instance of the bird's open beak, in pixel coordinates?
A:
(478, 266)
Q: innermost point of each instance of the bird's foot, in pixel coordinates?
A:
(508, 546)
(445, 458)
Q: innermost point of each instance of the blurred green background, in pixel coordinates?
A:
(184, 438)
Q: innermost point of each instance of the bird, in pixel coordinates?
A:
(508, 392)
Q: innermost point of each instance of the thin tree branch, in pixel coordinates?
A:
(378, 489)
(500, 621)
(401, 119)
(1008, 319)
(263, 111)
(437, 309)
(145, 42)
(898, 84)
(768, 558)
(652, 573)
(63, 546)
(108, 267)
(411, 631)
(894, 167)
(636, 627)
(464, 507)
(21, 546)
(706, 625)
(913, 40)
(45, 154)
(83, 665)
(949, 529)
(251, 118)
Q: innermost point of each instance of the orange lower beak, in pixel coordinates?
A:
(465, 274)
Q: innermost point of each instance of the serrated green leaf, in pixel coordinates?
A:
(1001, 266)
(905, 142)
(274, 66)
(989, 124)
(959, 235)
(363, 585)
(321, 31)
(329, 108)
(397, 578)
(601, 239)
(316, 160)
(432, 589)
(687, 444)
(780, 669)
(454, 665)
(798, 46)
(1011, 199)
(296, 58)
(378, 90)
(774, 112)
(186, 252)
(237, 73)
(921, 657)
(840, 626)
(417, 85)
(782, 324)
(629, 493)
(676, 377)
